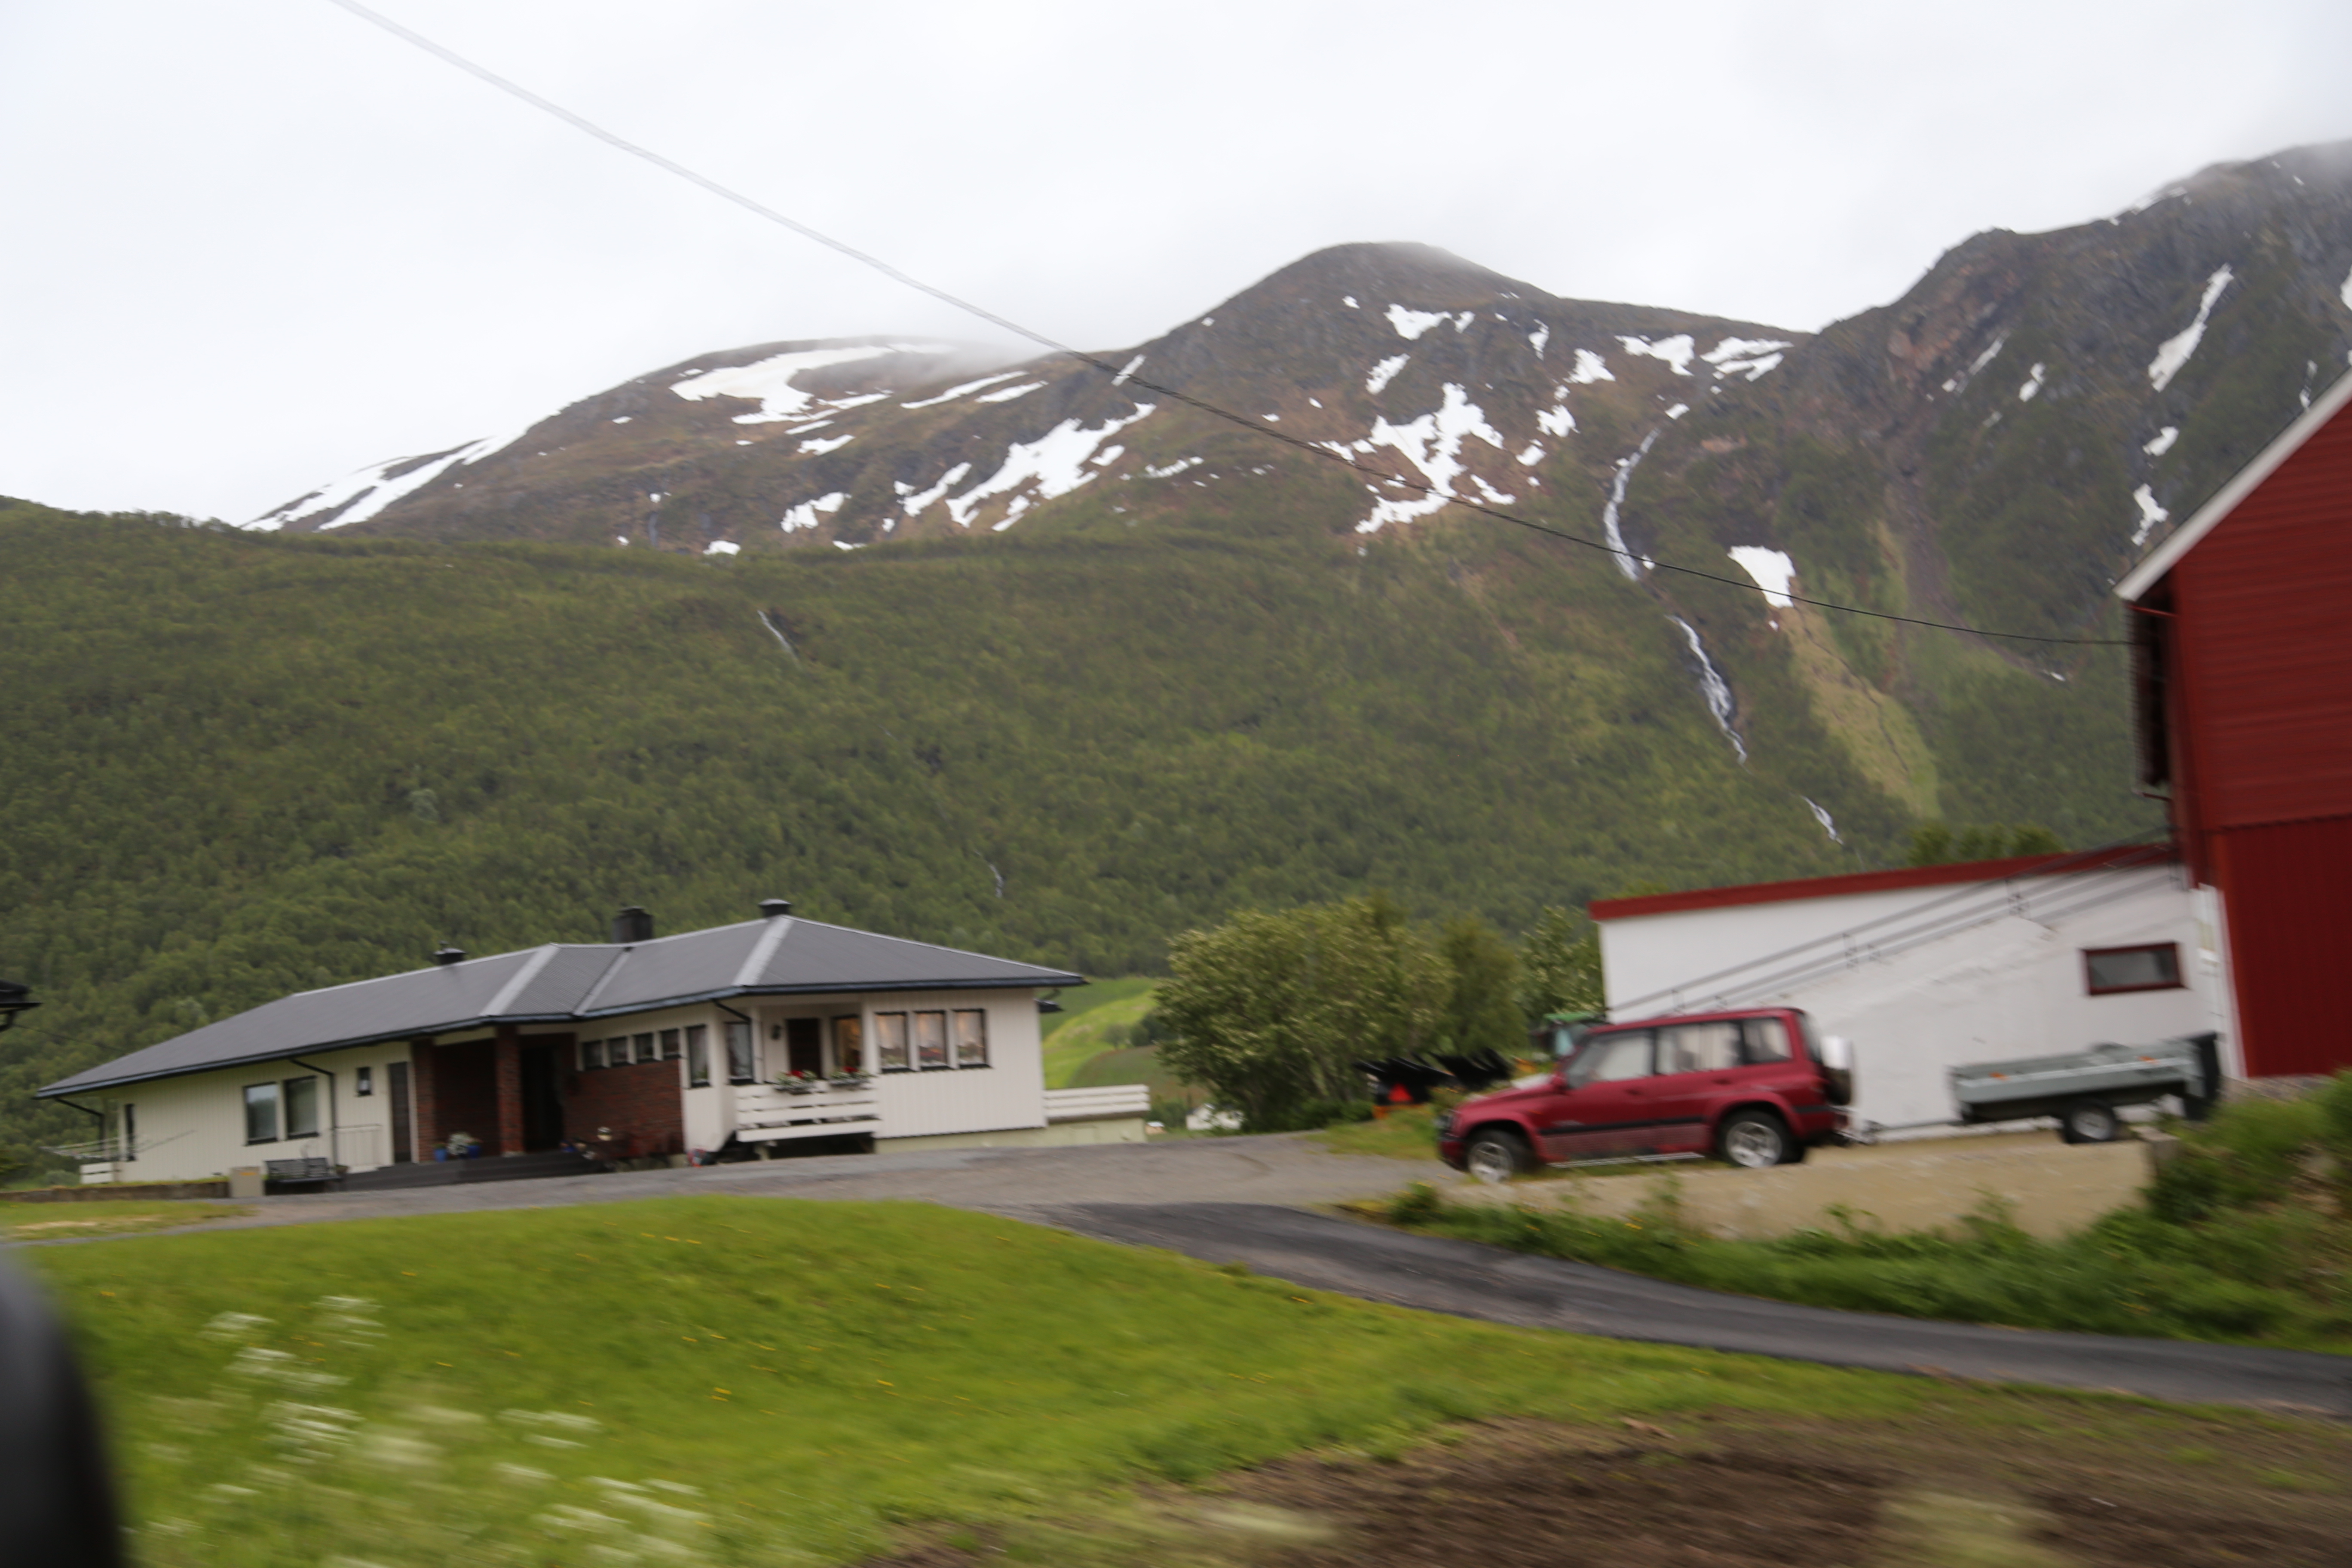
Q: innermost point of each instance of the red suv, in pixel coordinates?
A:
(1756, 1088)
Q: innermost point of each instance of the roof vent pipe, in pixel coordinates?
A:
(771, 907)
(632, 925)
(446, 956)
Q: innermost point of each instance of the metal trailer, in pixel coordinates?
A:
(2085, 1090)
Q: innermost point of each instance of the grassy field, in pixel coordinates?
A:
(102, 1216)
(1405, 1132)
(1082, 1030)
(736, 1381)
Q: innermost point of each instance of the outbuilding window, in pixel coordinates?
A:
(972, 1039)
(891, 1053)
(261, 1113)
(301, 1096)
(931, 1041)
(2109, 970)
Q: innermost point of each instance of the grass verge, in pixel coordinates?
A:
(1405, 1132)
(717, 1379)
(1095, 1018)
(2243, 1238)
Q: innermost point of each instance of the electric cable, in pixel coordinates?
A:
(1255, 427)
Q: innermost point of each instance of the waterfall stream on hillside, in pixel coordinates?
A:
(1627, 562)
(1712, 686)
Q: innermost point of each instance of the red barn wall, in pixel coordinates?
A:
(2260, 710)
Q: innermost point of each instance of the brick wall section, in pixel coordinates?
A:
(641, 1105)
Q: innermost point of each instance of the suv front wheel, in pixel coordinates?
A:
(1756, 1139)
(1495, 1154)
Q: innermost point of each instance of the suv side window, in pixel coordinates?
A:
(1764, 1040)
(1610, 1058)
(1700, 1048)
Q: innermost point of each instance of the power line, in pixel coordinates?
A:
(1215, 411)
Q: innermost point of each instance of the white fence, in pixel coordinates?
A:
(362, 1148)
(764, 1113)
(1109, 1103)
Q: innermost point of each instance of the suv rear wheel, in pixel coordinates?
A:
(1756, 1139)
(1495, 1154)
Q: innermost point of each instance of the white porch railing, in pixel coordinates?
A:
(363, 1147)
(1109, 1103)
(764, 1113)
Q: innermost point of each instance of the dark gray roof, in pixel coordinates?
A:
(561, 983)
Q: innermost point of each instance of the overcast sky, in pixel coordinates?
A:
(252, 245)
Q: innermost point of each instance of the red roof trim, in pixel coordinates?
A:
(1882, 881)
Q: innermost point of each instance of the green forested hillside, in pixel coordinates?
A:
(243, 765)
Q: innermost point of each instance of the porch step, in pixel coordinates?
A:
(487, 1168)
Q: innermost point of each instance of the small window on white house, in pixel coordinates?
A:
(302, 1107)
(697, 1056)
(972, 1039)
(742, 1055)
(891, 1053)
(261, 1113)
(2108, 970)
(670, 1045)
(592, 1055)
(931, 1041)
(364, 1082)
(849, 1044)
(645, 1047)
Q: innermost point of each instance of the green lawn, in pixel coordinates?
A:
(1081, 1031)
(755, 1381)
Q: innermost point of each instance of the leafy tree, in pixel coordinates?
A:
(1481, 1011)
(1935, 844)
(1560, 967)
(1272, 1010)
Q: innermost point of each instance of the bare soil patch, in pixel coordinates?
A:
(2056, 1483)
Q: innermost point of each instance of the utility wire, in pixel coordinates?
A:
(1215, 411)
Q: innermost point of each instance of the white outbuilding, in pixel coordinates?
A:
(1929, 968)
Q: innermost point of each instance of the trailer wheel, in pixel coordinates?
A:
(1496, 1154)
(1756, 1139)
(2090, 1121)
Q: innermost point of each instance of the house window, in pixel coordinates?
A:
(2155, 967)
(931, 1041)
(592, 1054)
(261, 1113)
(891, 1042)
(645, 1047)
(302, 1107)
(697, 1056)
(670, 1045)
(849, 1044)
(364, 1082)
(742, 1055)
(972, 1039)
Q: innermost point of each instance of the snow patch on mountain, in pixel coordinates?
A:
(1053, 465)
(1411, 324)
(356, 496)
(1590, 367)
(914, 502)
(1007, 394)
(1536, 339)
(819, 448)
(2150, 514)
(770, 381)
(2174, 352)
(806, 514)
(953, 392)
(1752, 357)
(1676, 351)
(1771, 570)
(1432, 445)
(2163, 441)
(1960, 382)
(2034, 380)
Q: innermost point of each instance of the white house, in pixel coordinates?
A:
(1929, 968)
(734, 1040)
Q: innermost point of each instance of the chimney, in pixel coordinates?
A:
(771, 907)
(446, 956)
(632, 925)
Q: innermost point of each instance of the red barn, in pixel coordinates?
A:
(2242, 631)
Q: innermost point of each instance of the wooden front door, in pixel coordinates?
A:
(403, 1133)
